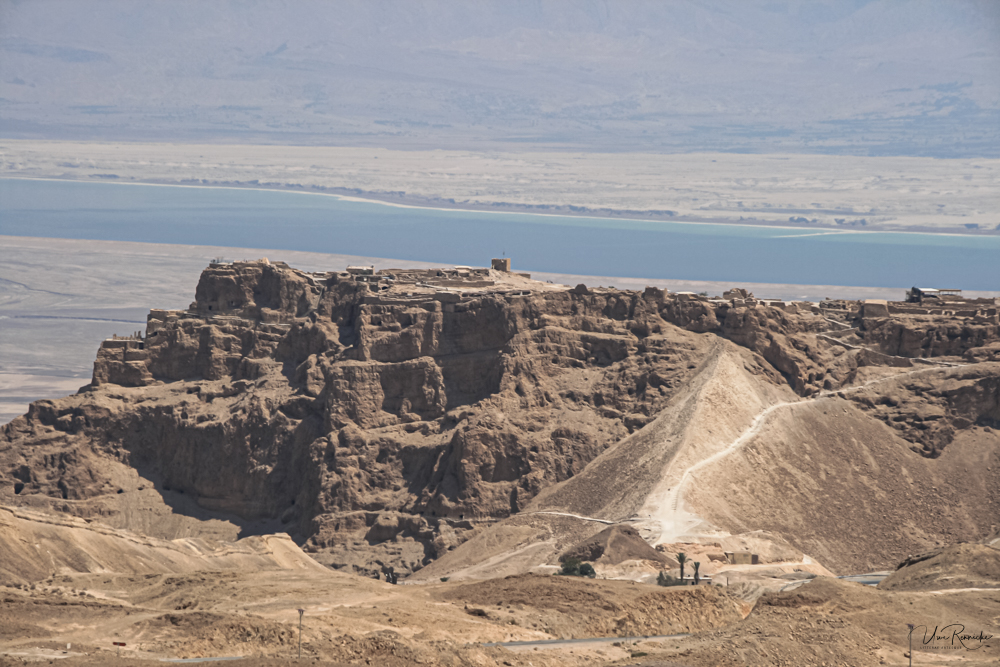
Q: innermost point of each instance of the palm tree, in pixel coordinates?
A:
(696, 566)
(682, 558)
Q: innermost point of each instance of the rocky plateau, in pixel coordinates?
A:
(401, 419)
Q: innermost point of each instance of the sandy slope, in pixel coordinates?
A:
(630, 482)
(732, 454)
(36, 546)
(70, 581)
(822, 473)
(193, 601)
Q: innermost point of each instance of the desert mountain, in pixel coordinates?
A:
(586, 75)
(473, 422)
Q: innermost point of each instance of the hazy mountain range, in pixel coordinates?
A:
(883, 77)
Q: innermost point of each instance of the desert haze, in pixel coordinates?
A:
(517, 333)
(844, 193)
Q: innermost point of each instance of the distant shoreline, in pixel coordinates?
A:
(557, 211)
(55, 356)
(801, 194)
(308, 260)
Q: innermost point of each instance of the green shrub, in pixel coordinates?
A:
(664, 579)
(571, 567)
(574, 567)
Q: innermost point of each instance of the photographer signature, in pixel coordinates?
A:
(955, 635)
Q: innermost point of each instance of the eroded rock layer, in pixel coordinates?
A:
(384, 418)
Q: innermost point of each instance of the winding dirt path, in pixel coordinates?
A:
(577, 516)
(674, 521)
(682, 519)
(674, 518)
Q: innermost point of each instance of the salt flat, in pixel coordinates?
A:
(799, 191)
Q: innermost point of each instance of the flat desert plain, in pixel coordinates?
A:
(800, 191)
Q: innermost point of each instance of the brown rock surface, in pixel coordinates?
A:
(36, 546)
(331, 403)
(615, 545)
(958, 566)
(178, 599)
(948, 329)
(832, 622)
(929, 410)
(385, 420)
(595, 608)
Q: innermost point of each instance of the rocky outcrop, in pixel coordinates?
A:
(615, 545)
(382, 419)
(955, 566)
(951, 330)
(929, 414)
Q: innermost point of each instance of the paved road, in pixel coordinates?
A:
(558, 643)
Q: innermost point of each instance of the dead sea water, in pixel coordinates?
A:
(558, 244)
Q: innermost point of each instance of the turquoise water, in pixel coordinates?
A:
(560, 244)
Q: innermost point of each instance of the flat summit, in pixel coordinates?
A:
(292, 436)
(484, 422)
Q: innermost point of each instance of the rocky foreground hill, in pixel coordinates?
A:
(469, 422)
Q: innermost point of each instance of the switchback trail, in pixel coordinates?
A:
(668, 524)
(675, 497)
(674, 500)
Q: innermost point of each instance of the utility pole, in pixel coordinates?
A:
(301, 611)
(910, 626)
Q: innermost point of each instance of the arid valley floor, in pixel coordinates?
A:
(531, 333)
(839, 193)
(292, 435)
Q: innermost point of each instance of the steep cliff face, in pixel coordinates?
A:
(969, 329)
(930, 413)
(383, 419)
